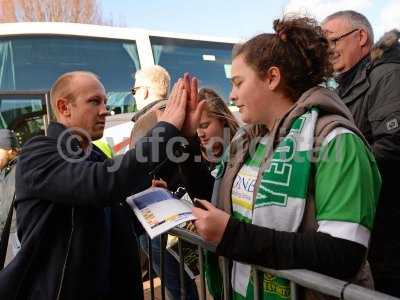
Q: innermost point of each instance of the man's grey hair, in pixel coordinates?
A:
(156, 78)
(355, 19)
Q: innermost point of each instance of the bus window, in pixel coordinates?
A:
(33, 63)
(210, 62)
(24, 116)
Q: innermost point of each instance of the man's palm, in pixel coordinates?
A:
(194, 108)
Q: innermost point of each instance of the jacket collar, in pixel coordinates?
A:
(327, 101)
(353, 77)
(65, 138)
(386, 50)
(55, 129)
(71, 144)
(324, 99)
(145, 109)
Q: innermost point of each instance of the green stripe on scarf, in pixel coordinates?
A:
(281, 197)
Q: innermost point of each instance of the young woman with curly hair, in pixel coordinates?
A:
(298, 186)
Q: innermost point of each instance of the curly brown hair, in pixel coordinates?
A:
(298, 48)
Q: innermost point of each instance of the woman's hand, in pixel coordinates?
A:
(211, 222)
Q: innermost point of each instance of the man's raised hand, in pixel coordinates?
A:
(175, 110)
(194, 107)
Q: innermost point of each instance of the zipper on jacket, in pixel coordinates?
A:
(66, 256)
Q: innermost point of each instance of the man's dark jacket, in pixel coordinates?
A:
(373, 96)
(78, 238)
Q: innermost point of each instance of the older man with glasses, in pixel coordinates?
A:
(368, 80)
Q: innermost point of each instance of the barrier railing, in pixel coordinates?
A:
(305, 278)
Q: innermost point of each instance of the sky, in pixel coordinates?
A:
(239, 18)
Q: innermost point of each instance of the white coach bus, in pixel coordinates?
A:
(33, 55)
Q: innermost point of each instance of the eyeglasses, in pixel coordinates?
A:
(332, 42)
(135, 89)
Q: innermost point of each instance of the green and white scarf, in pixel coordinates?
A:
(280, 200)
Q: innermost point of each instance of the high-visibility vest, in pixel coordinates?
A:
(104, 147)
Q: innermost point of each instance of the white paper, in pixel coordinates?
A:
(158, 211)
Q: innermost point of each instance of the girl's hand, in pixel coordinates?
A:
(211, 222)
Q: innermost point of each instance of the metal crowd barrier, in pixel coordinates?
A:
(308, 279)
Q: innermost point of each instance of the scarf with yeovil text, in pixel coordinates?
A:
(280, 201)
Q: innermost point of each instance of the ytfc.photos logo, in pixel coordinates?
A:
(69, 144)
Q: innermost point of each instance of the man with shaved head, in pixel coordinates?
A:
(77, 237)
(74, 98)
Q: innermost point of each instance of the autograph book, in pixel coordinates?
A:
(158, 210)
